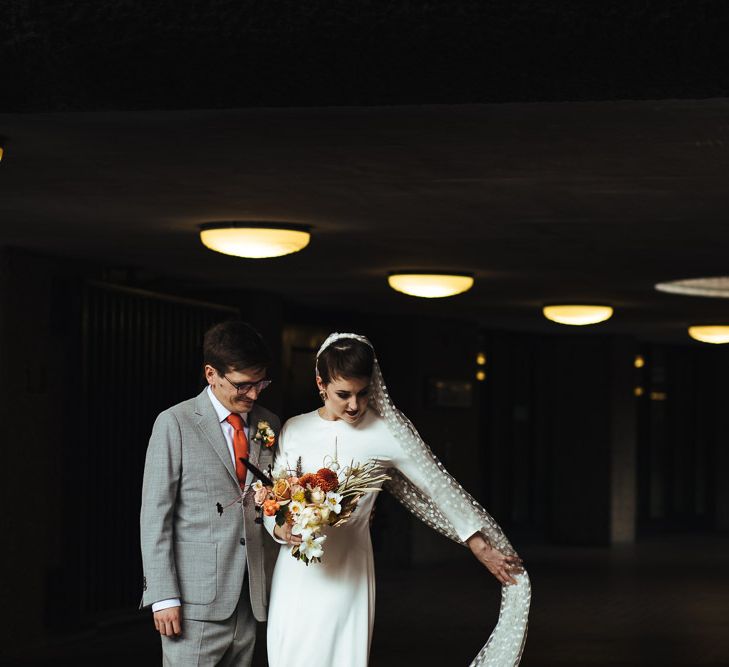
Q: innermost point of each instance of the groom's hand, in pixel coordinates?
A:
(168, 621)
(498, 564)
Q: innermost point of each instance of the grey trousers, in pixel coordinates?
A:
(227, 643)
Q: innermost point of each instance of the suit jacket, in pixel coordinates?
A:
(189, 550)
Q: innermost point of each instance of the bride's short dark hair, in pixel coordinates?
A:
(345, 358)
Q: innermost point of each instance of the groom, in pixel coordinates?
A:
(204, 571)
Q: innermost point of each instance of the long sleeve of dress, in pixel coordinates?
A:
(427, 477)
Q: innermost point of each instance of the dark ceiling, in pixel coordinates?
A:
(116, 150)
(191, 54)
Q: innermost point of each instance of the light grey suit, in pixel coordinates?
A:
(189, 550)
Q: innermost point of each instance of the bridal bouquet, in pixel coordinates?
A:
(311, 501)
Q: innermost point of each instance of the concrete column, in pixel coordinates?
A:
(623, 484)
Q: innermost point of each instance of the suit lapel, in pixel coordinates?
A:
(210, 427)
(254, 447)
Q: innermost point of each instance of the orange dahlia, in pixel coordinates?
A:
(327, 479)
(309, 478)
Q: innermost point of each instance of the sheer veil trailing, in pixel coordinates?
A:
(505, 645)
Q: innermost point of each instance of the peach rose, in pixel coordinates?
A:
(270, 507)
(260, 495)
(281, 489)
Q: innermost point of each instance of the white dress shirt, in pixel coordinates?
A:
(228, 432)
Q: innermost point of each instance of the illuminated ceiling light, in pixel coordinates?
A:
(638, 391)
(430, 285)
(481, 359)
(717, 287)
(716, 334)
(658, 396)
(254, 240)
(639, 361)
(480, 375)
(577, 314)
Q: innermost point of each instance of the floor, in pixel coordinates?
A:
(663, 602)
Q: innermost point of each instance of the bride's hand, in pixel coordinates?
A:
(284, 533)
(498, 564)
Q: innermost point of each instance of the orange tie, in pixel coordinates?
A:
(240, 445)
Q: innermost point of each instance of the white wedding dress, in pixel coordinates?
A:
(322, 615)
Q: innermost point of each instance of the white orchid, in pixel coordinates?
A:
(312, 547)
(307, 523)
(334, 502)
(302, 531)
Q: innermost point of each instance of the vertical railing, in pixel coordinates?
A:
(141, 354)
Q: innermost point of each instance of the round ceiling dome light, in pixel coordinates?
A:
(577, 315)
(255, 240)
(715, 334)
(717, 287)
(430, 285)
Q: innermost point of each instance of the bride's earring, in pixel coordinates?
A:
(323, 396)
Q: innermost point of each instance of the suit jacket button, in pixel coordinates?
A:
(242, 540)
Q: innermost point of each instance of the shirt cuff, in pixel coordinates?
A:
(166, 604)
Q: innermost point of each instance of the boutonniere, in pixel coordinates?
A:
(265, 435)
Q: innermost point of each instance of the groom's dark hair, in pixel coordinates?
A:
(235, 345)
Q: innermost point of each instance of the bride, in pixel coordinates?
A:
(323, 615)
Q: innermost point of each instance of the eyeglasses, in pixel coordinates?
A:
(245, 387)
